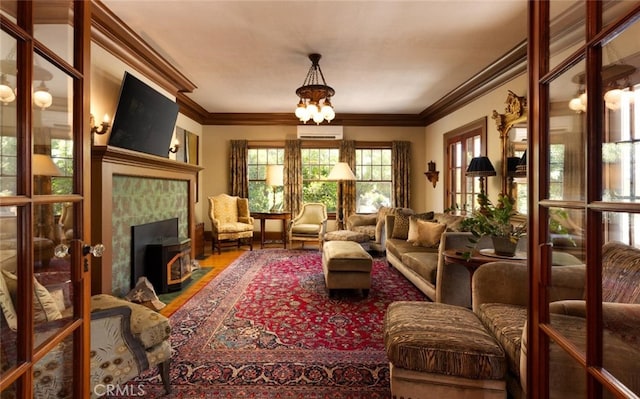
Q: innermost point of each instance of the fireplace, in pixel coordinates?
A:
(158, 253)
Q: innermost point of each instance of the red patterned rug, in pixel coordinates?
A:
(266, 328)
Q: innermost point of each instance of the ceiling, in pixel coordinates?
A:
(381, 57)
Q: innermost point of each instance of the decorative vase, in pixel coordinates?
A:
(503, 246)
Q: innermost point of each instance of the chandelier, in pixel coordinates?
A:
(41, 96)
(615, 77)
(315, 95)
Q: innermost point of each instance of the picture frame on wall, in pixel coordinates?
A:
(192, 147)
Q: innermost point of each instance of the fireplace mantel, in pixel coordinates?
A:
(107, 162)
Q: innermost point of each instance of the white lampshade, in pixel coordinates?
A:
(42, 98)
(341, 171)
(43, 166)
(275, 175)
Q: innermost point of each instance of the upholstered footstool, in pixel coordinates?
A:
(437, 350)
(346, 265)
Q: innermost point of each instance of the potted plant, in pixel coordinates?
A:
(496, 221)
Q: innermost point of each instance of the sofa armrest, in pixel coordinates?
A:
(500, 282)
(361, 220)
(617, 317)
(507, 282)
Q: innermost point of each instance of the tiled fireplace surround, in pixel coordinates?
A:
(131, 188)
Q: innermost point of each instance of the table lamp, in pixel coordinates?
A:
(275, 177)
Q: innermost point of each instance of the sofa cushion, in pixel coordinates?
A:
(369, 231)
(506, 323)
(6, 304)
(443, 339)
(423, 263)
(399, 247)
(424, 233)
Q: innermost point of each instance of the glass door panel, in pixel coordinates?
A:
(621, 297)
(566, 136)
(53, 26)
(8, 116)
(9, 262)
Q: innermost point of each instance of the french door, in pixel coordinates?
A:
(44, 202)
(584, 58)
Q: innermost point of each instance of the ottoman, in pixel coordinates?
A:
(346, 265)
(437, 350)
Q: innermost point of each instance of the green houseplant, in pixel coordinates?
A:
(496, 221)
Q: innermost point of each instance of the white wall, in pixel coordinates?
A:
(483, 107)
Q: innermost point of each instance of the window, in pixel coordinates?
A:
(62, 155)
(316, 165)
(373, 179)
(8, 162)
(462, 145)
(261, 196)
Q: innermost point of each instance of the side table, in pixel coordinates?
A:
(285, 216)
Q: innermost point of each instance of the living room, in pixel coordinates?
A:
(202, 165)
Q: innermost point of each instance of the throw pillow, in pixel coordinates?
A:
(7, 305)
(453, 222)
(401, 223)
(425, 233)
(144, 293)
(44, 305)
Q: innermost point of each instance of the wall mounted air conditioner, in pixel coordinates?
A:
(319, 132)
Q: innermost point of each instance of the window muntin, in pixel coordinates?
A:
(373, 172)
(260, 195)
(316, 165)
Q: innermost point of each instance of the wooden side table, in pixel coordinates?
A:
(285, 216)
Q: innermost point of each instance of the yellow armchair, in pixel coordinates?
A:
(310, 224)
(230, 220)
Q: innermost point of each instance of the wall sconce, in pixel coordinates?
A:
(176, 146)
(432, 173)
(104, 126)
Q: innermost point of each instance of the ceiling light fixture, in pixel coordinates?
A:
(315, 95)
(41, 96)
(615, 93)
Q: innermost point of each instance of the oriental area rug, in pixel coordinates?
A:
(266, 328)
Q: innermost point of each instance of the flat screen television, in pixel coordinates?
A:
(144, 120)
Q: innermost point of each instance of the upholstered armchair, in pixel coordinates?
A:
(310, 224)
(126, 339)
(230, 220)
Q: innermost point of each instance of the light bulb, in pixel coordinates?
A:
(301, 110)
(318, 118)
(612, 98)
(312, 108)
(327, 111)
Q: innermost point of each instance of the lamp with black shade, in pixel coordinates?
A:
(480, 167)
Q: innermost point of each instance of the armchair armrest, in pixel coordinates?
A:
(245, 219)
(389, 221)
(111, 328)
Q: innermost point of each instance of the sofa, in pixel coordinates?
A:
(500, 297)
(423, 265)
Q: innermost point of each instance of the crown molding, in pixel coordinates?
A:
(112, 34)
